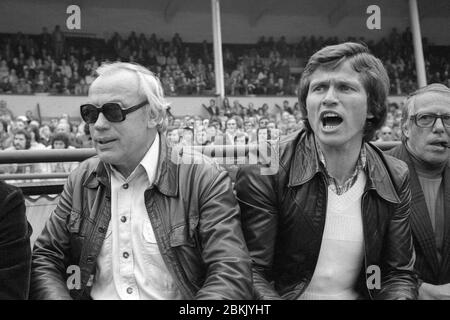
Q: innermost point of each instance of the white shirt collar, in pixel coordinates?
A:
(149, 162)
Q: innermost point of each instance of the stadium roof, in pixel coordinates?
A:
(335, 10)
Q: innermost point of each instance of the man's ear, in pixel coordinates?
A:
(151, 118)
(405, 129)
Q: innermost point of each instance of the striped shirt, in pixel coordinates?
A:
(332, 183)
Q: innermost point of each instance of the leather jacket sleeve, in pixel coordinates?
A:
(256, 195)
(15, 252)
(399, 279)
(225, 253)
(51, 252)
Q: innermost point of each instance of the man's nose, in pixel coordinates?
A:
(330, 97)
(439, 125)
(102, 123)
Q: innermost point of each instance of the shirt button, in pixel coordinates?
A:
(129, 290)
(125, 186)
(126, 255)
(123, 219)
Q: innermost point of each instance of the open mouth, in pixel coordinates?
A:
(331, 120)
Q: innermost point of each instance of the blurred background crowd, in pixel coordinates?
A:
(52, 63)
(227, 124)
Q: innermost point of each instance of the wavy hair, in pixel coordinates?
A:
(373, 76)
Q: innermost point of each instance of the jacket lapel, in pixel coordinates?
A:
(420, 217)
(446, 245)
(306, 158)
(421, 223)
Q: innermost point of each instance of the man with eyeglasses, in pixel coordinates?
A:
(135, 222)
(425, 148)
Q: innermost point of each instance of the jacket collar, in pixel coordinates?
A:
(306, 157)
(166, 180)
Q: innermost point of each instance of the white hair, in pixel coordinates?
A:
(410, 102)
(149, 87)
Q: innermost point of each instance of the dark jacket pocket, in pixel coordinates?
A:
(181, 236)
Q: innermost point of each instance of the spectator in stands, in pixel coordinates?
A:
(41, 83)
(173, 137)
(65, 127)
(271, 125)
(5, 136)
(58, 40)
(35, 138)
(263, 122)
(187, 136)
(21, 141)
(45, 135)
(61, 141)
(201, 253)
(201, 137)
(230, 132)
(21, 123)
(241, 138)
(23, 87)
(84, 139)
(385, 134)
(15, 249)
(426, 150)
(45, 38)
(5, 113)
(256, 70)
(212, 109)
(301, 243)
(213, 134)
(5, 86)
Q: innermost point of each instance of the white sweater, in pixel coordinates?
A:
(342, 250)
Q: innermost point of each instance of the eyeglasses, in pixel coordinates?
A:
(112, 111)
(427, 120)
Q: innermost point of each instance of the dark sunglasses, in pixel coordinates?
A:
(427, 120)
(112, 111)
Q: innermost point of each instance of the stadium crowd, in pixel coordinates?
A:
(52, 63)
(55, 64)
(227, 124)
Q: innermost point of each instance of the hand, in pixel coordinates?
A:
(429, 291)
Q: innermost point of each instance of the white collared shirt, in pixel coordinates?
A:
(130, 265)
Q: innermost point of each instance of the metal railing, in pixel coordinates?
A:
(43, 183)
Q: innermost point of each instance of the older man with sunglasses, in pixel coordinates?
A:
(136, 222)
(426, 149)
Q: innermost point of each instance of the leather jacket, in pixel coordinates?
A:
(283, 218)
(15, 251)
(194, 215)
